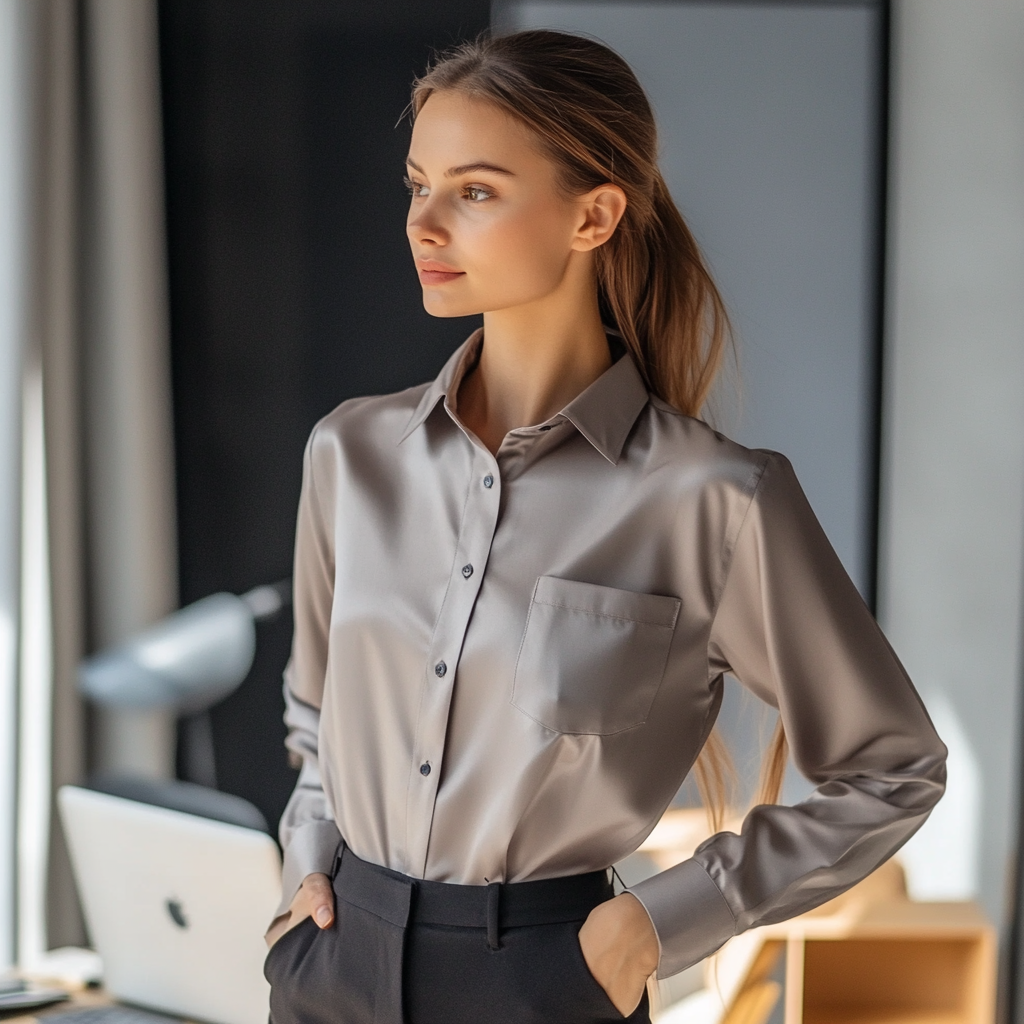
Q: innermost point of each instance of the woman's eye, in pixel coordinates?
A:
(476, 194)
(415, 188)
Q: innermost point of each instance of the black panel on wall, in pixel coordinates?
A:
(291, 285)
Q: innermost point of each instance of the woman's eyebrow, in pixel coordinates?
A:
(454, 172)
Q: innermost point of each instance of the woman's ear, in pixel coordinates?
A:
(601, 209)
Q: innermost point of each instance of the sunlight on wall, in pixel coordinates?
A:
(942, 858)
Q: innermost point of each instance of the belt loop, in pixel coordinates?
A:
(493, 909)
(618, 877)
(338, 856)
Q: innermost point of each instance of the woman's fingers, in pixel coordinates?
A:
(314, 899)
(620, 947)
(320, 897)
(277, 928)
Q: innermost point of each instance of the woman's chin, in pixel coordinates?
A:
(439, 307)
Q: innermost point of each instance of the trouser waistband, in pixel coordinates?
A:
(403, 900)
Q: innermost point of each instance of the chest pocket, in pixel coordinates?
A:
(592, 658)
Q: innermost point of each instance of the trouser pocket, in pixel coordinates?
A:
(282, 965)
(350, 972)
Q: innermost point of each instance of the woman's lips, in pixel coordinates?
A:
(437, 273)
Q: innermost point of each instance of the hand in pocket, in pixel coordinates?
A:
(620, 948)
(314, 899)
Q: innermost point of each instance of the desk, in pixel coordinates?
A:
(80, 999)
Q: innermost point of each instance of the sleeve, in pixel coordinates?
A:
(793, 629)
(307, 831)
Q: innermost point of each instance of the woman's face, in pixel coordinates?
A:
(488, 226)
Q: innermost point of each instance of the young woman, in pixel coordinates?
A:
(518, 588)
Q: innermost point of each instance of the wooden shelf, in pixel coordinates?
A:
(871, 956)
(886, 1017)
(876, 980)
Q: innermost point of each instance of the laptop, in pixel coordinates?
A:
(176, 905)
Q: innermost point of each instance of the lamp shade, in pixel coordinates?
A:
(187, 661)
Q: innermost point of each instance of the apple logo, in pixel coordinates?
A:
(177, 913)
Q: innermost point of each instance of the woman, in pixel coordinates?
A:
(518, 588)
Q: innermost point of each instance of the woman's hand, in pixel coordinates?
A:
(314, 899)
(621, 949)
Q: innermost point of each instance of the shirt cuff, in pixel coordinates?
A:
(689, 914)
(310, 849)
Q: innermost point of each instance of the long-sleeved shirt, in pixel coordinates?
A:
(504, 666)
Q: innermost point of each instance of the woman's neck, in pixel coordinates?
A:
(534, 362)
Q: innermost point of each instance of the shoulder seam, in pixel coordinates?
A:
(759, 479)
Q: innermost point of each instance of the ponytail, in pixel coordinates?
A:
(657, 290)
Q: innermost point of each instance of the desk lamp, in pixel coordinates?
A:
(187, 662)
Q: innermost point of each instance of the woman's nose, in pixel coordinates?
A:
(424, 227)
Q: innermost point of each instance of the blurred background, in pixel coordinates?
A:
(202, 252)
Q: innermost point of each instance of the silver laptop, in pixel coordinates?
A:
(176, 905)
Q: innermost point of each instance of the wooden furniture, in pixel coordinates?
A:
(871, 956)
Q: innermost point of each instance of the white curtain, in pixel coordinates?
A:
(87, 536)
(13, 186)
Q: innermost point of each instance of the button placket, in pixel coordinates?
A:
(473, 547)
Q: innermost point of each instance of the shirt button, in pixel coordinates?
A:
(439, 669)
(424, 770)
(488, 481)
(467, 571)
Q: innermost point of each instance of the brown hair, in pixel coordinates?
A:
(589, 112)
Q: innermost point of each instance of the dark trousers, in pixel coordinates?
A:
(408, 951)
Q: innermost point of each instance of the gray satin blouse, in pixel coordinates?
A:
(504, 667)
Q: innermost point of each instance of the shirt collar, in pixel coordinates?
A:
(447, 381)
(604, 413)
